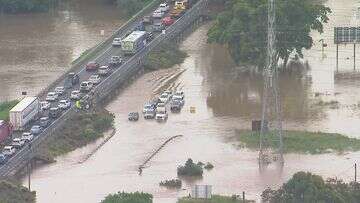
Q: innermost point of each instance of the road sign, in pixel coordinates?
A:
(346, 35)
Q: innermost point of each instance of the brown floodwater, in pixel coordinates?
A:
(36, 48)
(225, 99)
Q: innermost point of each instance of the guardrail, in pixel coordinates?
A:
(126, 70)
(128, 25)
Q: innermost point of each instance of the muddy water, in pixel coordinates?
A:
(225, 99)
(36, 48)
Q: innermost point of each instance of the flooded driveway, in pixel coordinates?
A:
(35, 49)
(225, 98)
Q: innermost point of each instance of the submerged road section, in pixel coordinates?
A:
(101, 54)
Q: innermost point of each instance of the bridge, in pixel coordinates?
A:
(101, 54)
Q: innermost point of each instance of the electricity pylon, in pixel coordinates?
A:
(271, 109)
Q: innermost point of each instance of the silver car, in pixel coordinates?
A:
(35, 130)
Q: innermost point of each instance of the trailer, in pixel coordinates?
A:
(24, 112)
(5, 130)
(133, 42)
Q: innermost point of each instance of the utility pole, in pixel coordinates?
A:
(271, 98)
(355, 167)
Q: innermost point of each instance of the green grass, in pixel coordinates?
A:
(77, 132)
(165, 56)
(214, 199)
(5, 108)
(302, 141)
(11, 192)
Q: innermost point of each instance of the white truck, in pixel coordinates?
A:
(24, 112)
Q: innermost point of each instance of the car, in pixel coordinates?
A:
(36, 129)
(161, 114)
(148, 106)
(115, 60)
(95, 79)
(18, 143)
(167, 21)
(164, 7)
(44, 121)
(75, 95)
(158, 13)
(160, 105)
(51, 97)
(27, 137)
(86, 86)
(59, 90)
(139, 27)
(133, 116)
(164, 97)
(179, 95)
(54, 112)
(3, 159)
(71, 80)
(9, 151)
(116, 42)
(44, 105)
(104, 70)
(92, 66)
(148, 20)
(158, 27)
(150, 114)
(149, 36)
(168, 92)
(64, 104)
(175, 106)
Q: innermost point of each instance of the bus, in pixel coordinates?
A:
(133, 42)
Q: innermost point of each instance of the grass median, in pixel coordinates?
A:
(5, 108)
(302, 141)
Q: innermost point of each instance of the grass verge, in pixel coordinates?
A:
(5, 108)
(77, 132)
(165, 56)
(214, 199)
(13, 192)
(302, 141)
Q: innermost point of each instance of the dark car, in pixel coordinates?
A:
(71, 80)
(133, 116)
(158, 27)
(149, 36)
(140, 27)
(175, 105)
(3, 159)
(92, 66)
(54, 112)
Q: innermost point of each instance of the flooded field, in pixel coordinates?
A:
(225, 99)
(35, 49)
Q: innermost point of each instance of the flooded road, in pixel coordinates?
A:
(35, 49)
(225, 99)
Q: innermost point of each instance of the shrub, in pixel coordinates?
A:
(209, 166)
(190, 169)
(174, 183)
(123, 197)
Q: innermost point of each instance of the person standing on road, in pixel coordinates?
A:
(77, 104)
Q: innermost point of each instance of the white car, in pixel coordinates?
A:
(76, 95)
(116, 42)
(95, 79)
(158, 14)
(86, 86)
(179, 95)
(44, 105)
(164, 7)
(27, 137)
(64, 104)
(59, 90)
(51, 96)
(9, 150)
(164, 97)
(161, 115)
(104, 70)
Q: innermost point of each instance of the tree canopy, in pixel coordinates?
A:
(307, 187)
(242, 26)
(16, 6)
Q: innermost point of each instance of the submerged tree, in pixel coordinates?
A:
(243, 28)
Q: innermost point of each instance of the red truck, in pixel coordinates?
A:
(5, 130)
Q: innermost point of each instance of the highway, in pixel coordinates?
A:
(23, 155)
